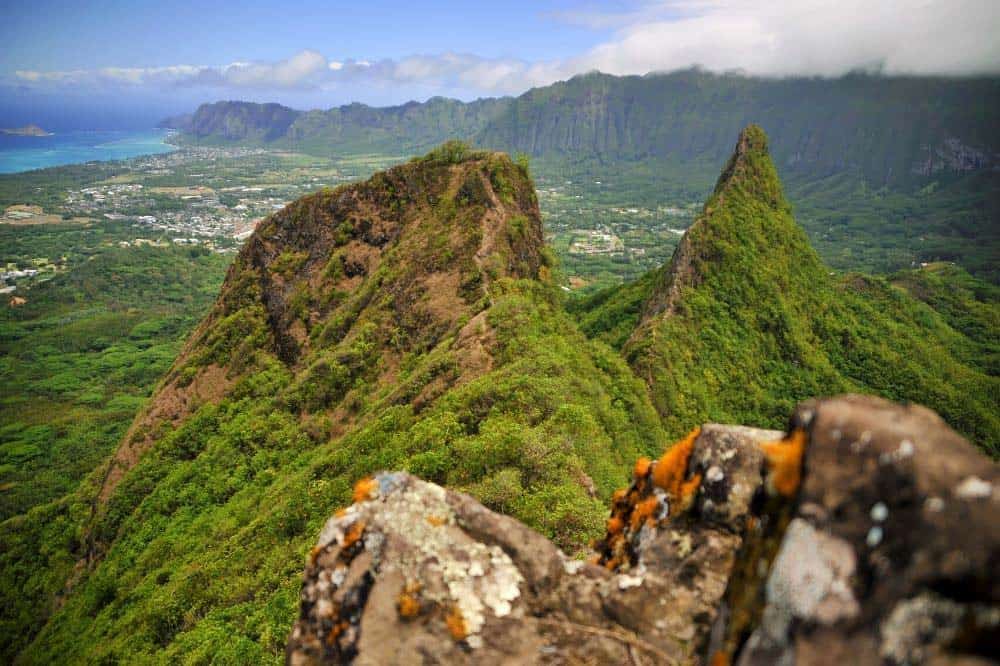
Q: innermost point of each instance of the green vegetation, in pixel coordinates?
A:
(413, 321)
(77, 361)
(748, 322)
(498, 394)
(353, 128)
(80, 357)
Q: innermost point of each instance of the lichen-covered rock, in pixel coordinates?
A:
(415, 572)
(892, 554)
(866, 534)
(676, 531)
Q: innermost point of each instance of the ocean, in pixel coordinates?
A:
(24, 153)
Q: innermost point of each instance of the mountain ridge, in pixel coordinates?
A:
(886, 172)
(746, 296)
(890, 129)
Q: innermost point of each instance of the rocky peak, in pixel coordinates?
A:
(436, 229)
(344, 283)
(863, 534)
(746, 217)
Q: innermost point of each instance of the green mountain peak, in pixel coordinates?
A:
(345, 285)
(745, 234)
(746, 320)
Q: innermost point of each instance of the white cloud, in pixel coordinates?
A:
(809, 37)
(297, 71)
(776, 38)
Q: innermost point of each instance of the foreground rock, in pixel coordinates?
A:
(867, 534)
(893, 552)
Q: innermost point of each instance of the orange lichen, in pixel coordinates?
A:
(354, 533)
(685, 498)
(336, 631)
(363, 489)
(436, 521)
(314, 553)
(641, 467)
(784, 460)
(643, 511)
(720, 658)
(670, 469)
(615, 525)
(340, 513)
(408, 605)
(456, 624)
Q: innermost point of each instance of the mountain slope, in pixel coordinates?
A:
(746, 321)
(411, 322)
(404, 322)
(237, 121)
(888, 130)
(410, 127)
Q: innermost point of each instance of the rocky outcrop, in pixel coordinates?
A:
(865, 534)
(892, 552)
(345, 283)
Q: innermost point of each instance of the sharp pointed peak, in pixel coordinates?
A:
(751, 148)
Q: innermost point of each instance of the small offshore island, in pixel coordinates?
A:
(27, 130)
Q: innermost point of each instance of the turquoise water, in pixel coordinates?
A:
(23, 153)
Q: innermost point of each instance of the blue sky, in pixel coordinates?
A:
(112, 63)
(55, 35)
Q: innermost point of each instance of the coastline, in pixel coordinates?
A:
(20, 154)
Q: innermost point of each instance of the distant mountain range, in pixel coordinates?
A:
(891, 130)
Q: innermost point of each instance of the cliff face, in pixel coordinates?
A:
(865, 534)
(237, 121)
(890, 130)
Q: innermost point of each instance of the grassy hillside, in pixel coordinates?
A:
(80, 357)
(77, 361)
(747, 321)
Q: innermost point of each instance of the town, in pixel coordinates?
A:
(213, 197)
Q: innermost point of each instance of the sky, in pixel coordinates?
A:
(106, 64)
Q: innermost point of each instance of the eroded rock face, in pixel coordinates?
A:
(867, 534)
